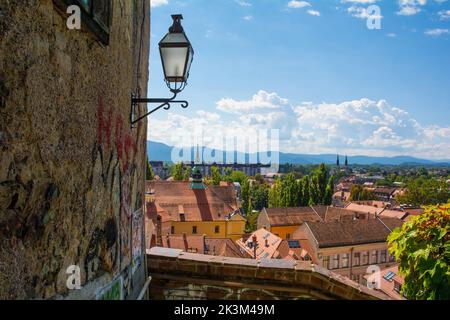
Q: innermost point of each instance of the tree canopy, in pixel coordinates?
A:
(422, 247)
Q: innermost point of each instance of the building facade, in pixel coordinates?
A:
(178, 207)
(72, 171)
(349, 248)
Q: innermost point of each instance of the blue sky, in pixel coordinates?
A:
(313, 70)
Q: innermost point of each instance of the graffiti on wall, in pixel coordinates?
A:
(113, 291)
(117, 145)
(137, 240)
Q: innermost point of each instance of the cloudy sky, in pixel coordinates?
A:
(314, 71)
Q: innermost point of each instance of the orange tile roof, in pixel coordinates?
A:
(363, 208)
(299, 215)
(269, 246)
(176, 201)
(387, 286)
(191, 243)
(225, 247)
(331, 234)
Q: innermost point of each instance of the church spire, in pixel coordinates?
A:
(346, 161)
(197, 177)
(338, 161)
(197, 157)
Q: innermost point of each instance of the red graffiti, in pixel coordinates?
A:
(124, 141)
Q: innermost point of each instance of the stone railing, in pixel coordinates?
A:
(180, 275)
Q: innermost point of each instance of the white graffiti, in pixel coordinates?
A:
(74, 280)
(74, 20)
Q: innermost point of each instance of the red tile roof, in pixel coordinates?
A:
(333, 234)
(176, 201)
(269, 246)
(225, 247)
(298, 215)
(387, 286)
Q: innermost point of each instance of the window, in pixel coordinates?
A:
(217, 229)
(326, 262)
(397, 287)
(356, 259)
(288, 235)
(182, 217)
(365, 258)
(194, 229)
(336, 261)
(383, 256)
(374, 257)
(345, 260)
(389, 276)
(294, 244)
(172, 229)
(96, 15)
(391, 258)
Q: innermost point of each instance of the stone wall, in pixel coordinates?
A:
(71, 169)
(186, 276)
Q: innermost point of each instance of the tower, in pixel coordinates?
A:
(346, 161)
(197, 177)
(337, 161)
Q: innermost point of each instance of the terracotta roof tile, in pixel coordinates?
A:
(334, 234)
(176, 201)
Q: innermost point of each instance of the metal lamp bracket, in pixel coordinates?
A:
(163, 103)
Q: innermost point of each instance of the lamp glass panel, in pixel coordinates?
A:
(174, 61)
(174, 38)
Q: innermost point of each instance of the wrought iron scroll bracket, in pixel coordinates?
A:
(163, 103)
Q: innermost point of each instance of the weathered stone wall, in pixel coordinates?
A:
(71, 169)
(177, 275)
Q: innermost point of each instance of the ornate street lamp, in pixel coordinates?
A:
(176, 56)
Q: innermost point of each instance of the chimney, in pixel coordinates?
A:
(255, 244)
(267, 243)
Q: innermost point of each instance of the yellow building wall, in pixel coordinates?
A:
(236, 229)
(283, 231)
(227, 229)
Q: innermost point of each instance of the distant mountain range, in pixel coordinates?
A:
(161, 152)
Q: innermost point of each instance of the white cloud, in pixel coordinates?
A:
(362, 13)
(354, 127)
(158, 3)
(436, 32)
(314, 13)
(261, 100)
(444, 14)
(294, 4)
(243, 3)
(248, 18)
(410, 7)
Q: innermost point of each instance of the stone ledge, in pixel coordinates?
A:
(282, 273)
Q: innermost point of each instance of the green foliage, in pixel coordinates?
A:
(422, 247)
(294, 192)
(359, 193)
(252, 221)
(425, 191)
(245, 194)
(177, 172)
(187, 173)
(180, 173)
(259, 194)
(149, 174)
(216, 177)
(238, 176)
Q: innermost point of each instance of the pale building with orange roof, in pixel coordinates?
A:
(263, 244)
(389, 282)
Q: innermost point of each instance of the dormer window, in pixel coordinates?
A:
(182, 217)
